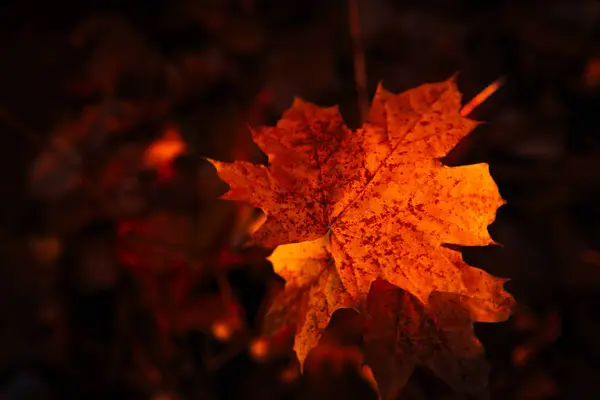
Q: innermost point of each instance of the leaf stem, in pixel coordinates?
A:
(360, 74)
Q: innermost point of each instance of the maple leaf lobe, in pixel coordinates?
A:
(313, 291)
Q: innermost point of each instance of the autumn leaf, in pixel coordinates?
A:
(372, 204)
(401, 333)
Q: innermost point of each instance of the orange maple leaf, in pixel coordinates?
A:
(372, 204)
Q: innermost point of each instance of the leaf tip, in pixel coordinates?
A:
(299, 103)
(214, 163)
(453, 79)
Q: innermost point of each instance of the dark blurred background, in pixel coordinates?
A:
(121, 268)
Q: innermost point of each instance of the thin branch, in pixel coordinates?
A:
(360, 74)
(481, 97)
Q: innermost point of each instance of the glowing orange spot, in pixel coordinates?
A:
(481, 97)
(161, 153)
(259, 349)
(289, 375)
(221, 331)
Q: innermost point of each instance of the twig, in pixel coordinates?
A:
(360, 74)
(481, 97)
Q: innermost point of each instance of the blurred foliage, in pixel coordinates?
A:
(120, 275)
